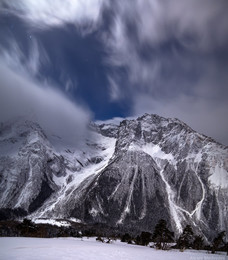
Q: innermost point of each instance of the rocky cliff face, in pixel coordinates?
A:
(131, 174)
(27, 166)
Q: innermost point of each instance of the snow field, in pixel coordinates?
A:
(89, 249)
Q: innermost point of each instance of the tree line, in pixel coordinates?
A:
(163, 239)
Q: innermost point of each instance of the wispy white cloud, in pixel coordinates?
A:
(155, 21)
(115, 92)
(159, 80)
(68, 83)
(37, 57)
(198, 25)
(52, 13)
(22, 95)
(169, 51)
(14, 57)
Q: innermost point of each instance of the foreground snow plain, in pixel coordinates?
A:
(75, 248)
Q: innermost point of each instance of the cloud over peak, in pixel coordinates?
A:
(156, 56)
(22, 95)
(171, 52)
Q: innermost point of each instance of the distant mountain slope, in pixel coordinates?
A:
(129, 174)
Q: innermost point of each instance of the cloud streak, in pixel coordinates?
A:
(44, 14)
(15, 58)
(171, 51)
(22, 95)
(165, 57)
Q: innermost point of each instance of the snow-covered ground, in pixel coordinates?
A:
(88, 249)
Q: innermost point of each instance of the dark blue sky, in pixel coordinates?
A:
(118, 59)
(71, 56)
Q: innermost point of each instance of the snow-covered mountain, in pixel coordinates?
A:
(129, 173)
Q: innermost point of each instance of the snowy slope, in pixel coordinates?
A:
(34, 170)
(125, 172)
(161, 168)
(88, 249)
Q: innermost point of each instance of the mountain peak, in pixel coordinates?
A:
(129, 172)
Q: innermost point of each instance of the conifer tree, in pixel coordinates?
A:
(226, 248)
(144, 239)
(186, 238)
(218, 242)
(126, 238)
(162, 235)
(198, 243)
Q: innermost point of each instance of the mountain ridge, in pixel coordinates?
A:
(131, 174)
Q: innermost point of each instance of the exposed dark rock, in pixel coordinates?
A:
(127, 175)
